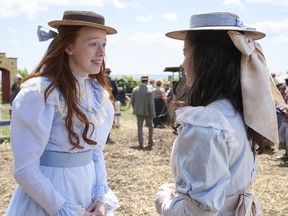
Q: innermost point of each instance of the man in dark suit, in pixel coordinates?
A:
(113, 84)
(142, 101)
(115, 94)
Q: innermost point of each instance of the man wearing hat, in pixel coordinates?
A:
(16, 86)
(112, 83)
(142, 101)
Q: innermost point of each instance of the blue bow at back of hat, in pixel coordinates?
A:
(45, 34)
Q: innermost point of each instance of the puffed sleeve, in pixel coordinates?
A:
(101, 191)
(201, 172)
(30, 128)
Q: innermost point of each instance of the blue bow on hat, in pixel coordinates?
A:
(45, 34)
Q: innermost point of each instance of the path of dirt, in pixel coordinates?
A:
(134, 175)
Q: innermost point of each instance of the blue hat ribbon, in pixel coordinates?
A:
(45, 34)
(223, 19)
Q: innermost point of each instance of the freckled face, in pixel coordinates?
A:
(188, 63)
(86, 54)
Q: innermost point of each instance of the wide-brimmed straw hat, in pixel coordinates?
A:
(108, 70)
(216, 21)
(144, 78)
(82, 18)
(18, 76)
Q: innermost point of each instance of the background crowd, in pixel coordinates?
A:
(150, 101)
(282, 117)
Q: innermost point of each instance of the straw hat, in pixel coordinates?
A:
(216, 21)
(82, 18)
(144, 78)
(108, 70)
(18, 76)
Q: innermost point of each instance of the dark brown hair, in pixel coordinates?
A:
(217, 64)
(54, 65)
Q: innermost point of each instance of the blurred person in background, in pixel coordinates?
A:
(113, 84)
(15, 88)
(160, 105)
(142, 101)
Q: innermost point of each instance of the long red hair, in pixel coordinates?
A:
(54, 65)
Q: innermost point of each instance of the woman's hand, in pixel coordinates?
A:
(97, 209)
(88, 213)
(163, 195)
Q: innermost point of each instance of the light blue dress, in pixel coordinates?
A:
(211, 159)
(38, 127)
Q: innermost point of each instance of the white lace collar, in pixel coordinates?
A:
(209, 116)
(100, 98)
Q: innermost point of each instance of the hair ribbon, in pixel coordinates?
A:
(45, 34)
(259, 92)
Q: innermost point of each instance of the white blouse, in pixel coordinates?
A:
(37, 126)
(211, 159)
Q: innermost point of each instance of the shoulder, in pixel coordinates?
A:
(39, 85)
(136, 88)
(149, 90)
(36, 84)
(213, 116)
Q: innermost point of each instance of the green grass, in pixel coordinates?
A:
(5, 130)
(127, 115)
(5, 115)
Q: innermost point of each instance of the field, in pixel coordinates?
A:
(134, 175)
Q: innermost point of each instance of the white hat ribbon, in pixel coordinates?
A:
(259, 92)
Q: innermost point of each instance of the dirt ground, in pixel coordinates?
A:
(134, 175)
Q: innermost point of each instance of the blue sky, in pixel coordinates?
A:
(140, 47)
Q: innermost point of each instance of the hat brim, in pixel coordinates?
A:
(181, 34)
(57, 23)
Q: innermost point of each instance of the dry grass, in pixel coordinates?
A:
(134, 175)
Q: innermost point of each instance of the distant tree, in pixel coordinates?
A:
(24, 73)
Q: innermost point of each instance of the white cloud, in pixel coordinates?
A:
(147, 18)
(170, 16)
(234, 3)
(13, 31)
(277, 30)
(273, 2)
(30, 8)
(154, 38)
(136, 36)
(13, 41)
(240, 3)
(6, 10)
(124, 4)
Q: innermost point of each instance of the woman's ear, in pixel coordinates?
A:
(69, 51)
